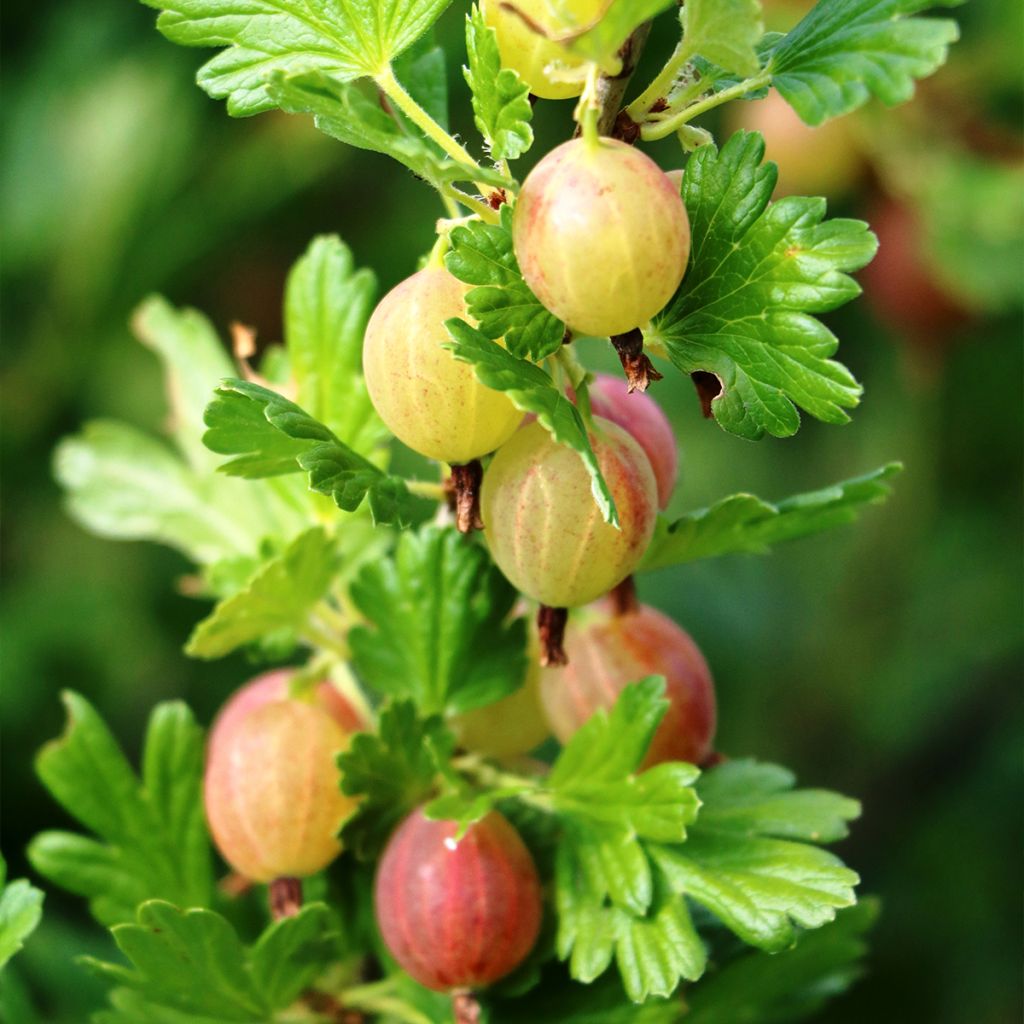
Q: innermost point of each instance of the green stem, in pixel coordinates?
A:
(659, 88)
(661, 129)
(478, 206)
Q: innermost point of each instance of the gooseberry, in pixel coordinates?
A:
(271, 790)
(607, 651)
(432, 402)
(601, 236)
(457, 913)
(543, 526)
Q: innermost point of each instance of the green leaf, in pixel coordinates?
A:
(757, 271)
(846, 51)
(789, 986)
(501, 302)
(438, 629)
(423, 73)
(192, 962)
(269, 436)
(393, 771)
(760, 886)
(501, 99)
(21, 907)
(743, 523)
(326, 307)
(277, 600)
(599, 34)
(529, 388)
(344, 38)
(152, 832)
(724, 32)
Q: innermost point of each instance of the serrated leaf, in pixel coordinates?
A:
(846, 51)
(724, 32)
(393, 771)
(500, 300)
(501, 99)
(270, 435)
(437, 626)
(21, 907)
(152, 835)
(757, 271)
(744, 523)
(344, 38)
(327, 304)
(529, 388)
(277, 600)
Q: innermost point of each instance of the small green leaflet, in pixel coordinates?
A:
(270, 435)
(21, 907)
(326, 306)
(352, 113)
(600, 36)
(277, 600)
(192, 962)
(788, 986)
(347, 39)
(438, 629)
(393, 771)
(501, 99)
(724, 32)
(846, 51)
(757, 271)
(532, 390)
(744, 523)
(500, 300)
(152, 835)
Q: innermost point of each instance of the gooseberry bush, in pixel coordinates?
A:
(397, 835)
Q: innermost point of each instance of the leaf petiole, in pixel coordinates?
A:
(652, 131)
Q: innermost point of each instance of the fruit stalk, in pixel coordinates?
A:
(285, 896)
(640, 371)
(550, 631)
(465, 488)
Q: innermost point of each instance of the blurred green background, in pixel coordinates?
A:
(883, 660)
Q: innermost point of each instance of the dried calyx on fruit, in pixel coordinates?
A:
(608, 651)
(457, 913)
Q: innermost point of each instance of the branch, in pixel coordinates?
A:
(612, 88)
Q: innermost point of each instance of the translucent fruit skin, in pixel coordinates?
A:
(426, 397)
(543, 526)
(528, 52)
(457, 914)
(642, 417)
(271, 791)
(601, 236)
(607, 652)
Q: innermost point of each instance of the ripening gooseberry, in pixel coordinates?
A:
(427, 398)
(272, 794)
(642, 417)
(543, 526)
(609, 651)
(601, 236)
(457, 913)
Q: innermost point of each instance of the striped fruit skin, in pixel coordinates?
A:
(425, 396)
(272, 792)
(642, 417)
(601, 236)
(457, 914)
(543, 526)
(273, 686)
(607, 652)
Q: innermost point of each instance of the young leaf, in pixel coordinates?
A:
(21, 907)
(439, 633)
(270, 436)
(500, 301)
(724, 32)
(393, 771)
(757, 271)
(193, 962)
(327, 304)
(152, 835)
(531, 389)
(276, 601)
(846, 51)
(501, 99)
(743, 523)
(347, 40)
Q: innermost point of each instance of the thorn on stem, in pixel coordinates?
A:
(640, 371)
(464, 485)
(551, 632)
(285, 898)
